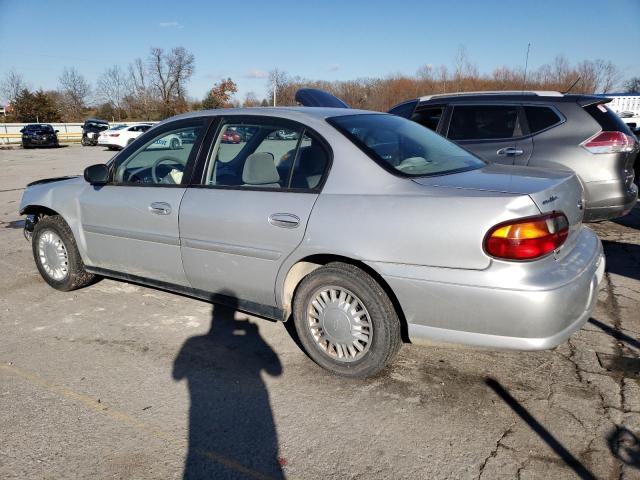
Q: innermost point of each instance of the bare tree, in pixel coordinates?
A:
(113, 86)
(251, 100)
(76, 91)
(608, 76)
(168, 74)
(12, 84)
(277, 80)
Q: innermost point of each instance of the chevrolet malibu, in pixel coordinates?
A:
(365, 229)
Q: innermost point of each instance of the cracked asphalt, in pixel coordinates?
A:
(119, 381)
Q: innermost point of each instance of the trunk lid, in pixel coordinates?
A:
(550, 190)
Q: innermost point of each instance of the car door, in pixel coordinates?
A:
(130, 225)
(493, 132)
(250, 209)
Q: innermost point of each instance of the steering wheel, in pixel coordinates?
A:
(165, 159)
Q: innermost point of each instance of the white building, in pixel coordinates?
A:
(624, 104)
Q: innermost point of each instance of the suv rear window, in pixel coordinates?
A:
(607, 119)
(540, 118)
(404, 147)
(484, 122)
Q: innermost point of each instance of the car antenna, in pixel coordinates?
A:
(572, 85)
(526, 64)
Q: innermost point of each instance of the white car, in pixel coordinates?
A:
(118, 137)
(171, 141)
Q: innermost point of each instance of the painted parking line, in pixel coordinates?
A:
(126, 419)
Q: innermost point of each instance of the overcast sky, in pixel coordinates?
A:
(331, 40)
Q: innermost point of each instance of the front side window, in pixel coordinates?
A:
(484, 122)
(266, 155)
(404, 147)
(162, 160)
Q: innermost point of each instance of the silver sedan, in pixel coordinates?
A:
(366, 230)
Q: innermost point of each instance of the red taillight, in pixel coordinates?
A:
(527, 238)
(610, 142)
(114, 134)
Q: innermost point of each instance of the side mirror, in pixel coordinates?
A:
(22, 130)
(97, 174)
(56, 131)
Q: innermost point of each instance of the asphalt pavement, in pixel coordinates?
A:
(120, 381)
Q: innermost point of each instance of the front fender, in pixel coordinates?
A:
(60, 197)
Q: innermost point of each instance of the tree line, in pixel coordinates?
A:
(155, 87)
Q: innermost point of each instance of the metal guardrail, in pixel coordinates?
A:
(67, 132)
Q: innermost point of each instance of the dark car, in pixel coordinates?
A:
(91, 130)
(541, 129)
(39, 135)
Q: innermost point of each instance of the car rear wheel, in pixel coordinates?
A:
(175, 144)
(345, 321)
(56, 255)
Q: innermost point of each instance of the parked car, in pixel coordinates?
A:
(231, 136)
(378, 231)
(91, 130)
(120, 136)
(542, 129)
(39, 135)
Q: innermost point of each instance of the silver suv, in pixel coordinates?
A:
(541, 129)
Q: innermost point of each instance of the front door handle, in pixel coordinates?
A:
(160, 208)
(284, 220)
(510, 152)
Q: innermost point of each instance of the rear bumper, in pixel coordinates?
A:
(609, 199)
(521, 306)
(109, 145)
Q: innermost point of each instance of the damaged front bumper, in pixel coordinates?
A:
(29, 224)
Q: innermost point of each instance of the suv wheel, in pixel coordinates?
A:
(345, 321)
(56, 255)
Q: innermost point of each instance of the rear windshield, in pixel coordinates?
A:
(404, 147)
(39, 128)
(607, 119)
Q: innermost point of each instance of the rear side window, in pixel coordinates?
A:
(428, 117)
(484, 122)
(541, 118)
(607, 119)
(266, 155)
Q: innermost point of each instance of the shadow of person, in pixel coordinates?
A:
(231, 429)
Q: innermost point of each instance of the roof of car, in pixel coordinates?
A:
(537, 93)
(292, 113)
(511, 95)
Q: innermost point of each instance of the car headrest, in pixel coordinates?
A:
(260, 169)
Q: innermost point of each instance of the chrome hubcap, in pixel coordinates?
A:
(339, 324)
(53, 255)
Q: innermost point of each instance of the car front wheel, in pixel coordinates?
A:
(56, 255)
(345, 321)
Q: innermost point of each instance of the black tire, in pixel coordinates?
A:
(386, 339)
(175, 144)
(77, 276)
(84, 141)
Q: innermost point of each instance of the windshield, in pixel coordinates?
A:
(404, 147)
(45, 128)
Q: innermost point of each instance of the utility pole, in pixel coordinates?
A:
(275, 88)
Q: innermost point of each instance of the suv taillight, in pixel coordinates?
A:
(610, 142)
(527, 238)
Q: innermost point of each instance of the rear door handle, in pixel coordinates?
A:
(160, 208)
(510, 152)
(284, 220)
